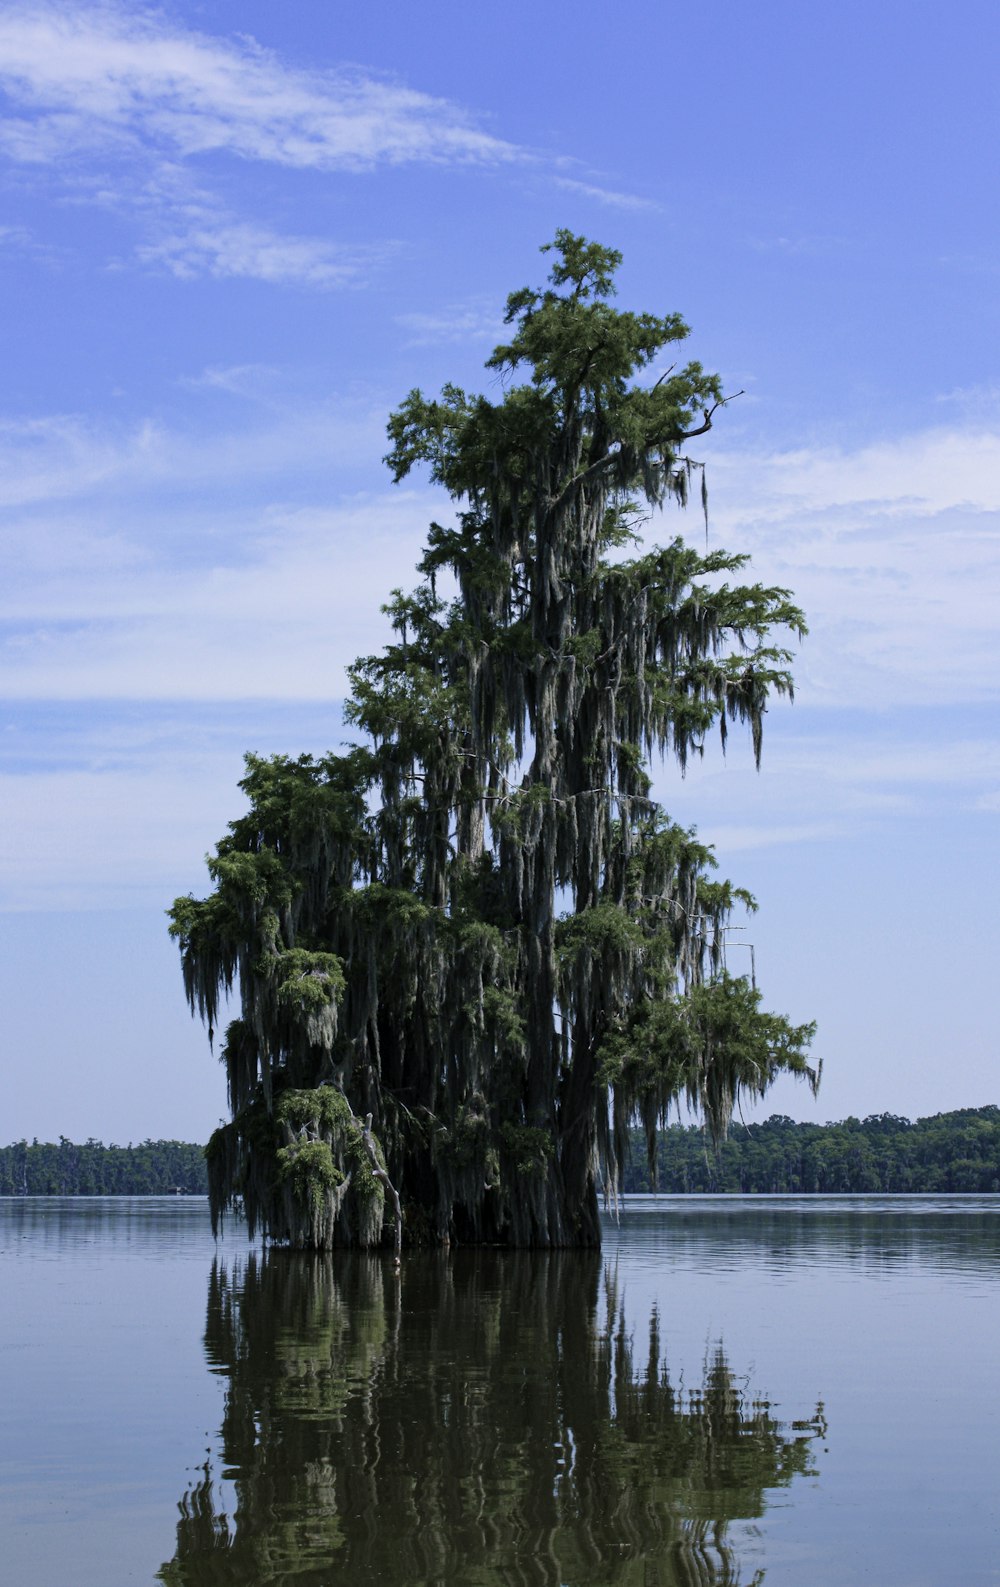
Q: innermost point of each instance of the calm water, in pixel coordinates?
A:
(763, 1390)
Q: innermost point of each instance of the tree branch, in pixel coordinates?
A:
(707, 416)
(581, 479)
(380, 1174)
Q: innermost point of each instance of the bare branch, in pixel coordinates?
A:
(708, 414)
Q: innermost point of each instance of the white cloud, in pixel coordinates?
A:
(918, 474)
(893, 550)
(253, 382)
(252, 251)
(59, 455)
(977, 405)
(806, 244)
(469, 322)
(94, 75)
(143, 558)
(156, 817)
(875, 773)
(864, 764)
(730, 839)
(605, 195)
(122, 106)
(145, 565)
(55, 458)
(277, 609)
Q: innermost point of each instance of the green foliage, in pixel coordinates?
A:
(309, 1168)
(154, 1168)
(948, 1153)
(477, 920)
(324, 1109)
(527, 1150)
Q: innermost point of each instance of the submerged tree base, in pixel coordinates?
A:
(301, 1170)
(312, 1177)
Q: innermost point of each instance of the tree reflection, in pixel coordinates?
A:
(482, 1419)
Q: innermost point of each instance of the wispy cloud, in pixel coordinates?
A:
(468, 322)
(605, 195)
(918, 474)
(730, 839)
(15, 237)
(66, 820)
(92, 76)
(253, 382)
(99, 465)
(253, 251)
(977, 405)
(125, 109)
(893, 549)
(807, 245)
(281, 621)
(869, 775)
(56, 456)
(147, 565)
(144, 557)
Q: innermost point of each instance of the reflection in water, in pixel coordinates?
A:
(481, 1419)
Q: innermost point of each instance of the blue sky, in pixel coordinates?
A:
(232, 237)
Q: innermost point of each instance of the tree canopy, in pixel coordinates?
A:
(476, 924)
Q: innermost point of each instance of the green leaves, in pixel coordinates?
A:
(712, 1046)
(308, 1167)
(477, 919)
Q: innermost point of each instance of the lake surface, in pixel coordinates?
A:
(759, 1390)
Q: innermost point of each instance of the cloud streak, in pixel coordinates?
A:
(893, 550)
(253, 252)
(146, 559)
(469, 322)
(132, 112)
(98, 77)
(607, 196)
(147, 565)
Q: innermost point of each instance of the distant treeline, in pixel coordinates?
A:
(156, 1168)
(949, 1152)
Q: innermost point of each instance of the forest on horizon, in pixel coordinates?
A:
(956, 1152)
(947, 1153)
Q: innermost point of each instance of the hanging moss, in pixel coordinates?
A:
(477, 926)
(309, 1168)
(299, 1171)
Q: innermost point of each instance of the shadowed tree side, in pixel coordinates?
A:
(477, 926)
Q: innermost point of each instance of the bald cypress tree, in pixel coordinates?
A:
(472, 949)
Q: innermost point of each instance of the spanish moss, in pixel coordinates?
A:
(476, 924)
